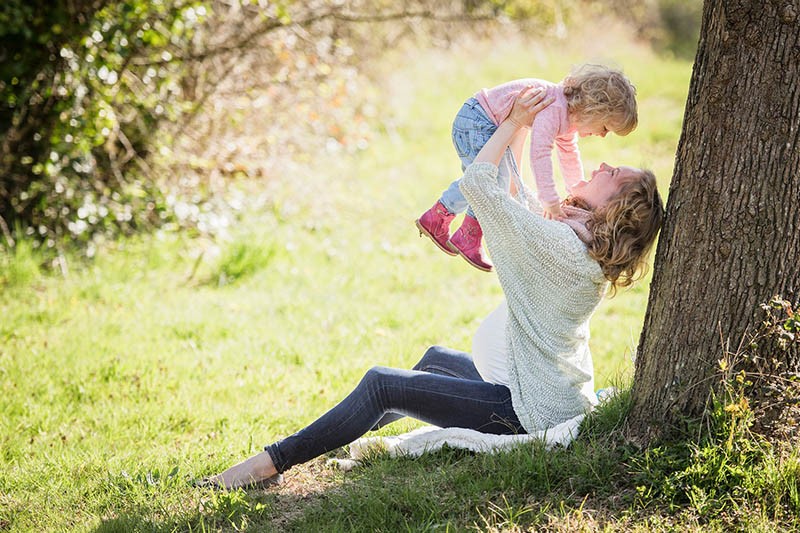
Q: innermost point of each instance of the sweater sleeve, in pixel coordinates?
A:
(569, 159)
(519, 240)
(543, 135)
(551, 287)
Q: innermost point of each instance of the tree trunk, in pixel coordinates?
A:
(731, 238)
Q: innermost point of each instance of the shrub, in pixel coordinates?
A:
(81, 105)
(733, 455)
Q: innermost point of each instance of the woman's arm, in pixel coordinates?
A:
(516, 150)
(523, 244)
(528, 104)
(509, 227)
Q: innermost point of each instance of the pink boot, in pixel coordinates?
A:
(435, 223)
(467, 242)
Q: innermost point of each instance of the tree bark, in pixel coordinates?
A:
(731, 238)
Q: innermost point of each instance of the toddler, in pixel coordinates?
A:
(592, 100)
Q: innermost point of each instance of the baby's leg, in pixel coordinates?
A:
(472, 128)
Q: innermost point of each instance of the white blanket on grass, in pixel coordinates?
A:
(431, 438)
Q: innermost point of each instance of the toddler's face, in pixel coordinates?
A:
(587, 129)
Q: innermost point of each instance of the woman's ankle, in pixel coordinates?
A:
(263, 466)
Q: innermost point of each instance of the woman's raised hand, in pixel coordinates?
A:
(529, 102)
(527, 105)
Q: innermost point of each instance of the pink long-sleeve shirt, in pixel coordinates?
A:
(551, 127)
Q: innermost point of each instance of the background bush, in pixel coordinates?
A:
(84, 91)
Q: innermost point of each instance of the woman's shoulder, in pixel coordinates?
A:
(567, 249)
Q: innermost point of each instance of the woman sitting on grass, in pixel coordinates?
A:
(531, 368)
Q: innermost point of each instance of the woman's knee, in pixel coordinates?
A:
(377, 385)
(375, 376)
(430, 357)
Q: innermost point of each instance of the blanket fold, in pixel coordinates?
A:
(432, 438)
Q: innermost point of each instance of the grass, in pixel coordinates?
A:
(166, 358)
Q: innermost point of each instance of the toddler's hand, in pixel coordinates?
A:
(527, 105)
(553, 212)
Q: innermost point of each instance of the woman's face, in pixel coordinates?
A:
(603, 185)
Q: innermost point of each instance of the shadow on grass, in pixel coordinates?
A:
(150, 501)
(232, 511)
(601, 482)
(452, 489)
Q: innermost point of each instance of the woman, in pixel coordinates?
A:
(531, 368)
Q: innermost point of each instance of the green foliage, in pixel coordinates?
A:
(545, 13)
(725, 464)
(19, 266)
(672, 26)
(781, 322)
(679, 26)
(241, 259)
(82, 94)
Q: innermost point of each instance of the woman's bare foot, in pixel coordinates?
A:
(258, 469)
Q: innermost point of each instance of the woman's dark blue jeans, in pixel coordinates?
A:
(444, 389)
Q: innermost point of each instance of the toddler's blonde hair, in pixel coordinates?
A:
(596, 93)
(624, 230)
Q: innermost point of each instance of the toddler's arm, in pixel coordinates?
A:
(569, 159)
(543, 135)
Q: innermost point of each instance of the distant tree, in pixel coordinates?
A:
(731, 240)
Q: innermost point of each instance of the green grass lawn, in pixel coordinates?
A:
(137, 372)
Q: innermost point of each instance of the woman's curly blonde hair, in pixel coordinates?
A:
(596, 93)
(624, 229)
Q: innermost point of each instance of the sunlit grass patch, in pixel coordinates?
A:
(20, 265)
(240, 259)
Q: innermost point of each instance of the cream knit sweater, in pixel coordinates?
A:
(552, 287)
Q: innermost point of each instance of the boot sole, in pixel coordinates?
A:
(485, 269)
(459, 252)
(426, 233)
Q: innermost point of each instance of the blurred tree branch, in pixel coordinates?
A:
(277, 23)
